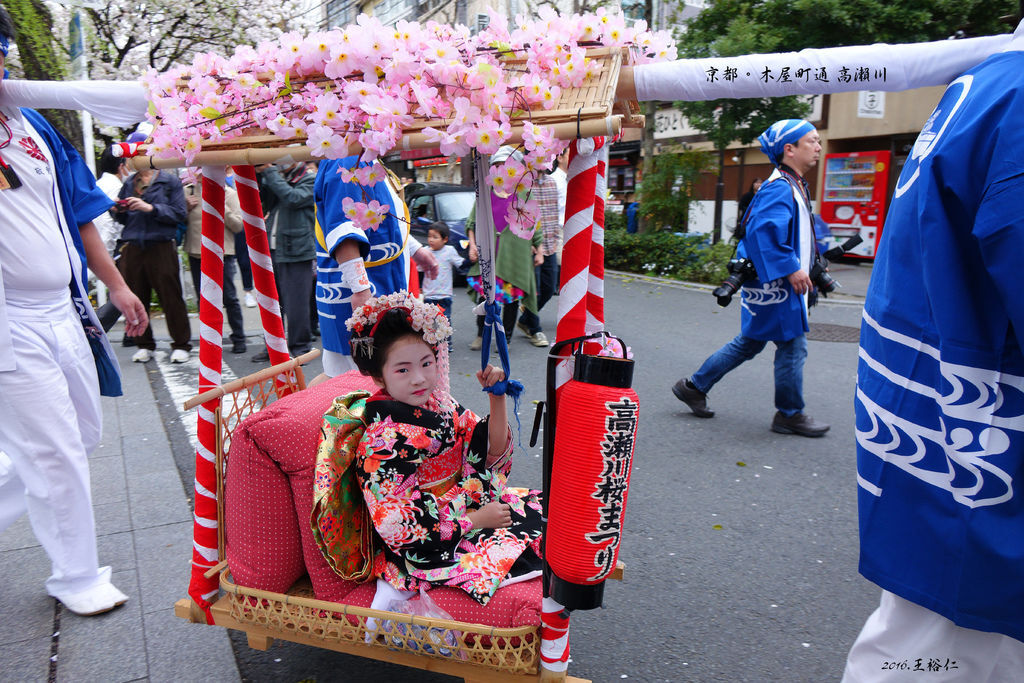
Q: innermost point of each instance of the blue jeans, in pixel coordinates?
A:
(789, 369)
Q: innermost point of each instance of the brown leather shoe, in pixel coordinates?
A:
(801, 423)
(696, 400)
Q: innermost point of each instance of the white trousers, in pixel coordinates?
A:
(50, 421)
(902, 641)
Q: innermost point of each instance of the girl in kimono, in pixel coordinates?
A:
(432, 473)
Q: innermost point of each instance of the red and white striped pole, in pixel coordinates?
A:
(262, 267)
(554, 636)
(595, 281)
(581, 295)
(576, 239)
(203, 590)
(211, 329)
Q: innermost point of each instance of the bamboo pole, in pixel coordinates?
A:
(227, 157)
(251, 380)
(565, 130)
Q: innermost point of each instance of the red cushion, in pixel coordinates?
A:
(263, 545)
(269, 492)
(515, 605)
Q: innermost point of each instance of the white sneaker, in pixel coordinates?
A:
(250, 300)
(179, 356)
(142, 356)
(476, 344)
(97, 600)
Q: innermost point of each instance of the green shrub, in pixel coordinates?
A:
(689, 257)
(669, 186)
(615, 220)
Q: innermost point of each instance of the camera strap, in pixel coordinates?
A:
(741, 229)
(800, 185)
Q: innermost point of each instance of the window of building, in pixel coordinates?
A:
(392, 11)
(621, 178)
(340, 13)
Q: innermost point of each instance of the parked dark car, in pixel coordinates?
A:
(447, 202)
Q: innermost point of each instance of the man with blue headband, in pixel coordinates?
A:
(55, 360)
(779, 244)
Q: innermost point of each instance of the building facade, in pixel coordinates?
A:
(847, 122)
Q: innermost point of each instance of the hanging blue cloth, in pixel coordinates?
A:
(491, 310)
(512, 388)
(940, 385)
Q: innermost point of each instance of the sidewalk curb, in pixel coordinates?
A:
(835, 299)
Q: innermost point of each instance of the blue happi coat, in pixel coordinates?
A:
(940, 385)
(77, 201)
(779, 241)
(383, 249)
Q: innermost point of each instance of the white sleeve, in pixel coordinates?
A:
(117, 103)
(838, 69)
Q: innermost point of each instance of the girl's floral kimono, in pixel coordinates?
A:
(421, 473)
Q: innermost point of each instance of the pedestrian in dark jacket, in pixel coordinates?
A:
(287, 195)
(150, 205)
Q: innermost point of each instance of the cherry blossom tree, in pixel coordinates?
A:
(127, 38)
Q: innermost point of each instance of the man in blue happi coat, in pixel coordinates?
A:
(940, 396)
(779, 241)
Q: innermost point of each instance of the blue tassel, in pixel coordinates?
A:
(512, 388)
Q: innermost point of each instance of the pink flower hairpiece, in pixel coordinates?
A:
(427, 319)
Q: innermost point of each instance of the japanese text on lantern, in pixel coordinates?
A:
(617, 454)
(803, 74)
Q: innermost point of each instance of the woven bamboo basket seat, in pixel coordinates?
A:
(298, 615)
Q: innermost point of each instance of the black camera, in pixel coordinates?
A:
(825, 283)
(740, 270)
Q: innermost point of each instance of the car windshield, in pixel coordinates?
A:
(455, 206)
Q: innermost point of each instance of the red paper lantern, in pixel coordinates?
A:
(593, 456)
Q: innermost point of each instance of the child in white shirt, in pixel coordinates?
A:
(438, 291)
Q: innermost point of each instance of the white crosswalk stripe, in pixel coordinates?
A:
(182, 382)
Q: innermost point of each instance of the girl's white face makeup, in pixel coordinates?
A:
(410, 371)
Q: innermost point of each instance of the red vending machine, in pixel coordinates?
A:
(854, 198)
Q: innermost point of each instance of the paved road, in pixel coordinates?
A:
(740, 544)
